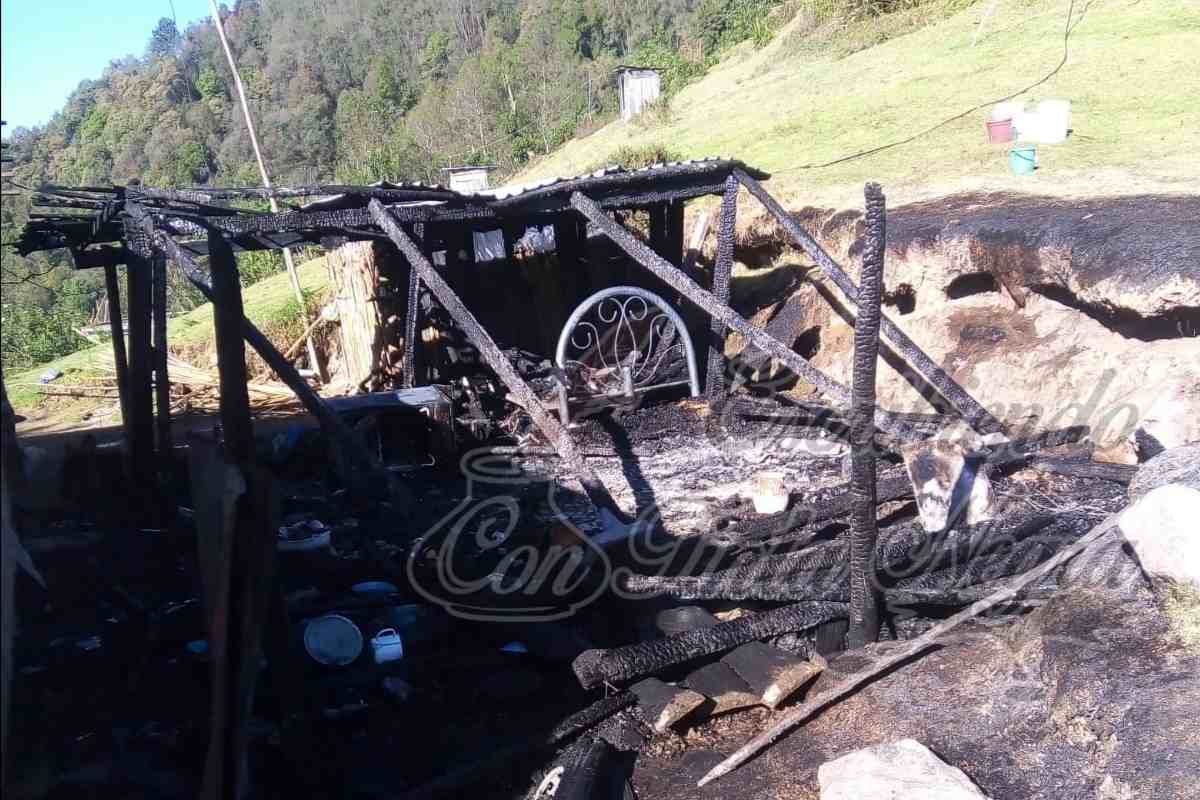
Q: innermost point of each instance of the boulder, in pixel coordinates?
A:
(1179, 465)
(894, 771)
(1161, 527)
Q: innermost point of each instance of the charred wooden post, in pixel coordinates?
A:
(979, 417)
(162, 381)
(139, 427)
(228, 315)
(554, 431)
(116, 326)
(722, 313)
(622, 664)
(243, 581)
(714, 381)
(864, 605)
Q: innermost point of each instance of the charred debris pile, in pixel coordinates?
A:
(558, 527)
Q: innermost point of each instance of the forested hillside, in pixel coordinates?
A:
(352, 91)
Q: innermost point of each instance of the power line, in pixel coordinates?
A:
(1068, 28)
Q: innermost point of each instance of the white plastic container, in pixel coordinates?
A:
(770, 494)
(387, 646)
(1054, 118)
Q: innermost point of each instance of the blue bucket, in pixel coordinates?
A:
(1022, 160)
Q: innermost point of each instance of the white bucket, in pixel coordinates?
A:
(1055, 120)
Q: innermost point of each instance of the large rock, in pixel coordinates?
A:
(1163, 528)
(895, 771)
(1179, 465)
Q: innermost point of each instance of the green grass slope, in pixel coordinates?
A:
(269, 303)
(806, 98)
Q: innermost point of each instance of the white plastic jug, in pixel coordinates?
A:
(1055, 120)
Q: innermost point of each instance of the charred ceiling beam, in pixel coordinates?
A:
(979, 417)
(522, 393)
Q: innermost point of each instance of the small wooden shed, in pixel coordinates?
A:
(467, 180)
(637, 87)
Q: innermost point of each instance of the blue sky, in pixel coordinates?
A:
(48, 46)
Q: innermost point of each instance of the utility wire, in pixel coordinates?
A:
(1068, 29)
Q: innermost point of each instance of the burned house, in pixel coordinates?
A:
(555, 615)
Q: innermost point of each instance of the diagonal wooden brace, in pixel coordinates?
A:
(978, 416)
(721, 312)
(554, 431)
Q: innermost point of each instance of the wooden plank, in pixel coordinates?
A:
(354, 276)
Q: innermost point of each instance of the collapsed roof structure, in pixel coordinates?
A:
(622, 308)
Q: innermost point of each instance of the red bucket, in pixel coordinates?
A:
(1000, 130)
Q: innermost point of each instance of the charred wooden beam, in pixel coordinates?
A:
(162, 381)
(722, 270)
(116, 326)
(721, 312)
(979, 417)
(896, 656)
(773, 674)
(553, 430)
(139, 426)
(622, 664)
(864, 605)
(228, 316)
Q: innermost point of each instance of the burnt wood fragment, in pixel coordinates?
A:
(664, 705)
(576, 774)
(723, 687)
(412, 326)
(631, 662)
(773, 674)
(979, 417)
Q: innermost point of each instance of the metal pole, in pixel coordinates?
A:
(313, 357)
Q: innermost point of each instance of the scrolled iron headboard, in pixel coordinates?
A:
(630, 334)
